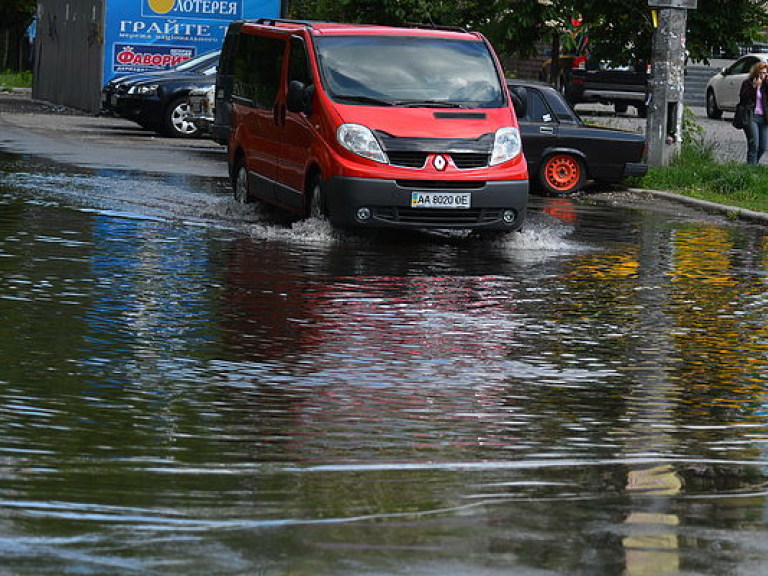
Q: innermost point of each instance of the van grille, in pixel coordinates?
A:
(414, 152)
(439, 184)
(437, 217)
(463, 161)
(408, 159)
(467, 161)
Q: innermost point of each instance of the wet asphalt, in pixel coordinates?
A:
(101, 143)
(106, 143)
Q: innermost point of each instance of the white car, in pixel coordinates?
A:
(200, 105)
(723, 88)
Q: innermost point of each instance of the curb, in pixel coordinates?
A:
(7, 90)
(730, 211)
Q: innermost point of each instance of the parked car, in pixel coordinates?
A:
(157, 100)
(597, 80)
(563, 152)
(372, 126)
(722, 91)
(200, 108)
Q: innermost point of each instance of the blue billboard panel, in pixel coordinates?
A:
(141, 35)
(127, 59)
(198, 9)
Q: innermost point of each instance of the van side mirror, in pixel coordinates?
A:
(519, 100)
(299, 98)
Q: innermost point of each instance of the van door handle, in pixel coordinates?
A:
(278, 114)
(546, 130)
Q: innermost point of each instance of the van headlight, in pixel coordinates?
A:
(361, 141)
(506, 145)
(143, 89)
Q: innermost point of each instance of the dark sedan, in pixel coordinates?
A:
(562, 152)
(158, 100)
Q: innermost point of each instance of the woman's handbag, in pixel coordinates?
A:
(743, 116)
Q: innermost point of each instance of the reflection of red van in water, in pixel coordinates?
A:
(371, 126)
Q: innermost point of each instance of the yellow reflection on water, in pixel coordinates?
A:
(651, 547)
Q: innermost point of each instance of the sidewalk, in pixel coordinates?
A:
(73, 137)
(730, 144)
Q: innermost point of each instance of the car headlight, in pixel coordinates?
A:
(506, 145)
(143, 89)
(361, 141)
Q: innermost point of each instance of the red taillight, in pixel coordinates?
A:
(579, 63)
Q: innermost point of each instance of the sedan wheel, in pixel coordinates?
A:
(562, 174)
(712, 109)
(175, 121)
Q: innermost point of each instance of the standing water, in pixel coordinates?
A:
(194, 387)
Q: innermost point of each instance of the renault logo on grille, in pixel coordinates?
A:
(440, 163)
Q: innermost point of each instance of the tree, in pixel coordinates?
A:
(464, 13)
(620, 29)
(623, 29)
(15, 17)
(724, 26)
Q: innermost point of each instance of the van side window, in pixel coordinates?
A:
(258, 64)
(298, 63)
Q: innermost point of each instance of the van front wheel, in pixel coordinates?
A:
(317, 206)
(240, 183)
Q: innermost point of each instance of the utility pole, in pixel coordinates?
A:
(665, 106)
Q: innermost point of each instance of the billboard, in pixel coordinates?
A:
(141, 35)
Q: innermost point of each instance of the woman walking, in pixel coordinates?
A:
(754, 93)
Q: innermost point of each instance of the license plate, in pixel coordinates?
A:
(441, 199)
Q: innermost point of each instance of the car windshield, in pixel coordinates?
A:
(409, 71)
(202, 61)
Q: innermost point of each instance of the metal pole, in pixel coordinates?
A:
(665, 107)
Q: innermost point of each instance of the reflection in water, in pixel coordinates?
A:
(189, 387)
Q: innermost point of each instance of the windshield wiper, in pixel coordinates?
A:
(427, 104)
(364, 99)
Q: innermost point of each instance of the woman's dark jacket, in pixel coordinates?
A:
(748, 93)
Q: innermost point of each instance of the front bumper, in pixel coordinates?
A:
(137, 108)
(496, 205)
(635, 170)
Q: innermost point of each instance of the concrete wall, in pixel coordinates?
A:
(69, 52)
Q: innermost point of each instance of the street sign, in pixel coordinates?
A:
(685, 4)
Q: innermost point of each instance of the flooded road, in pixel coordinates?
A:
(193, 387)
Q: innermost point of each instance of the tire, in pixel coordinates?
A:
(562, 174)
(317, 207)
(175, 123)
(712, 109)
(240, 187)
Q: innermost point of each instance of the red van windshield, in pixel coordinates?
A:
(409, 71)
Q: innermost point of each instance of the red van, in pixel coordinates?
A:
(371, 126)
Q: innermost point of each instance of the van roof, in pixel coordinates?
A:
(339, 29)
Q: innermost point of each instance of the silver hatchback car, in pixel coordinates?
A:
(723, 88)
(200, 106)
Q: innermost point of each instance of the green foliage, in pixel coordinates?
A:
(9, 79)
(16, 13)
(718, 25)
(620, 29)
(464, 13)
(15, 16)
(695, 173)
